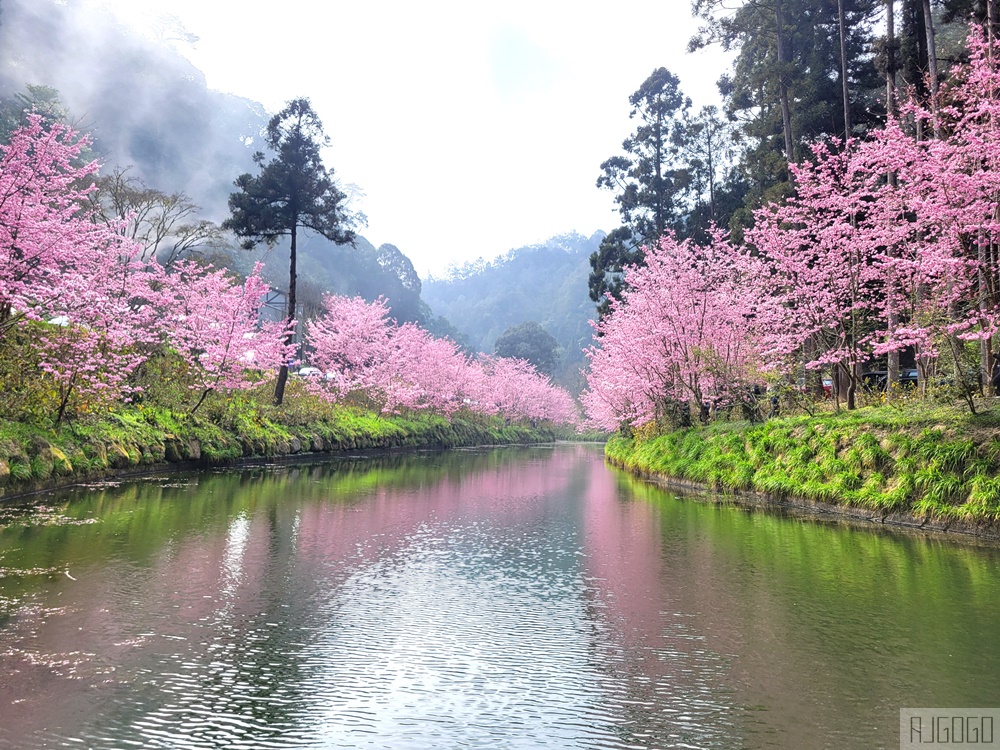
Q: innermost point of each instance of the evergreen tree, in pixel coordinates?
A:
(651, 181)
(788, 82)
(607, 266)
(293, 191)
(532, 343)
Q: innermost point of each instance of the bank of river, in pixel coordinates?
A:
(937, 470)
(518, 597)
(138, 440)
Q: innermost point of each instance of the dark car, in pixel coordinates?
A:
(875, 380)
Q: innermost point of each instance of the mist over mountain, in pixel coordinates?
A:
(145, 105)
(545, 283)
(149, 110)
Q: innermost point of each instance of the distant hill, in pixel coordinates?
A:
(546, 283)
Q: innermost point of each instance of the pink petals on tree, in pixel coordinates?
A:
(686, 331)
(363, 353)
(98, 310)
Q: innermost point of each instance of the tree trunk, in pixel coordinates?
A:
(711, 172)
(661, 211)
(852, 387)
(932, 67)
(842, 22)
(983, 299)
(204, 395)
(64, 402)
(786, 113)
(279, 386)
(890, 57)
(892, 364)
(892, 320)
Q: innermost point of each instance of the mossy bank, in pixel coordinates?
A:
(931, 468)
(136, 439)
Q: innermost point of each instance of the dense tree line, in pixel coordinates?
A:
(888, 243)
(105, 297)
(804, 71)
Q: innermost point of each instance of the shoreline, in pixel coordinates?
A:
(42, 461)
(933, 474)
(861, 518)
(291, 459)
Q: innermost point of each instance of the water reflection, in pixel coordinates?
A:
(494, 598)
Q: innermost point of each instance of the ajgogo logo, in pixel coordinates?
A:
(948, 727)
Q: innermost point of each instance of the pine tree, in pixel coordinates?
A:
(293, 191)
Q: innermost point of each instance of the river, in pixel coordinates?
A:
(487, 598)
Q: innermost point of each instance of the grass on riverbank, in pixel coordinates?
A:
(243, 426)
(931, 462)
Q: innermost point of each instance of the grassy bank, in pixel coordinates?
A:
(933, 465)
(126, 440)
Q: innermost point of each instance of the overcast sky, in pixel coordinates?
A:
(470, 127)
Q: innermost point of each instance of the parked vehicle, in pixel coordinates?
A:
(827, 386)
(875, 380)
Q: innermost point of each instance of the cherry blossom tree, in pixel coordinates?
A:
(48, 241)
(100, 330)
(350, 342)
(58, 264)
(956, 190)
(423, 372)
(403, 367)
(869, 265)
(824, 248)
(685, 332)
(212, 321)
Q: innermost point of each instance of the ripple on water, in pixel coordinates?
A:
(472, 633)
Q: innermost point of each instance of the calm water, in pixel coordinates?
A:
(513, 598)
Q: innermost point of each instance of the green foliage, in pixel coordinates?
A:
(650, 178)
(20, 471)
(917, 460)
(984, 498)
(787, 75)
(26, 393)
(529, 341)
(668, 177)
(244, 425)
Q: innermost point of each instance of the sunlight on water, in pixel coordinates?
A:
(232, 563)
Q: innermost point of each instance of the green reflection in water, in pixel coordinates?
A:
(135, 517)
(218, 596)
(833, 626)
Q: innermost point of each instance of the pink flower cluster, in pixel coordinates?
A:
(403, 367)
(98, 310)
(892, 242)
(686, 331)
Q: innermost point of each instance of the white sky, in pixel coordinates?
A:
(470, 127)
